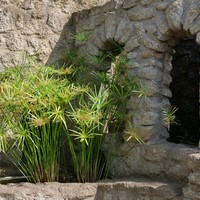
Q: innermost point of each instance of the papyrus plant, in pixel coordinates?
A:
(33, 102)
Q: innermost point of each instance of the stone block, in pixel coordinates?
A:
(193, 162)
(31, 27)
(131, 44)
(194, 178)
(189, 193)
(27, 5)
(151, 54)
(146, 2)
(146, 118)
(6, 22)
(152, 29)
(174, 14)
(195, 27)
(123, 28)
(110, 26)
(167, 79)
(153, 62)
(162, 24)
(15, 41)
(149, 73)
(152, 43)
(162, 6)
(130, 3)
(129, 32)
(139, 13)
(98, 38)
(166, 92)
(198, 38)
(192, 13)
(56, 20)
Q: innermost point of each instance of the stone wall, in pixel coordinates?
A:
(148, 30)
(34, 27)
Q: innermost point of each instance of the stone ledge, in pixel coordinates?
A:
(132, 189)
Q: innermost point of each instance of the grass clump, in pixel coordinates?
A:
(39, 106)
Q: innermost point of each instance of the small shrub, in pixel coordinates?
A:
(33, 101)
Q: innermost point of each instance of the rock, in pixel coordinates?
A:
(146, 2)
(15, 41)
(198, 38)
(163, 6)
(139, 13)
(174, 14)
(6, 22)
(130, 3)
(195, 27)
(131, 44)
(192, 12)
(162, 24)
(149, 73)
(27, 5)
(110, 26)
(189, 193)
(56, 20)
(194, 178)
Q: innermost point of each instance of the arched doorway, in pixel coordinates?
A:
(185, 92)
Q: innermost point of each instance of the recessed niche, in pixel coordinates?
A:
(185, 92)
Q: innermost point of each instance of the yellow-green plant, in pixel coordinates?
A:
(169, 116)
(98, 115)
(33, 103)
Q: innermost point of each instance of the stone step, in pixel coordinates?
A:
(132, 189)
(139, 189)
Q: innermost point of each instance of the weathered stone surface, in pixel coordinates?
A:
(110, 26)
(149, 73)
(146, 31)
(193, 162)
(148, 39)
(152, 30)
(139, 13)
(132, 189)
(15, 41)
(198, 38)
(131, 44)
(125, 29)
(130, 3)
(167, 79)
(56, 20)
(163, 5)
(194, 178)
(6, 23)
(27, 5)
(153, 43)
(191, 194)
(162, 24)
(174, 15)
(146, 2)
(192, 12)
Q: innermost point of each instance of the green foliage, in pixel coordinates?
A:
(170, 117)
(32, 106)
(80, 37)
(40, 104)
(99, 114)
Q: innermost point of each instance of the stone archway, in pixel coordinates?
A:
(149, 30)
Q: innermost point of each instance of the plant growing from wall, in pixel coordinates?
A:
(100, 114)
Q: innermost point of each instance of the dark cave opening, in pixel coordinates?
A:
(185, 93)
